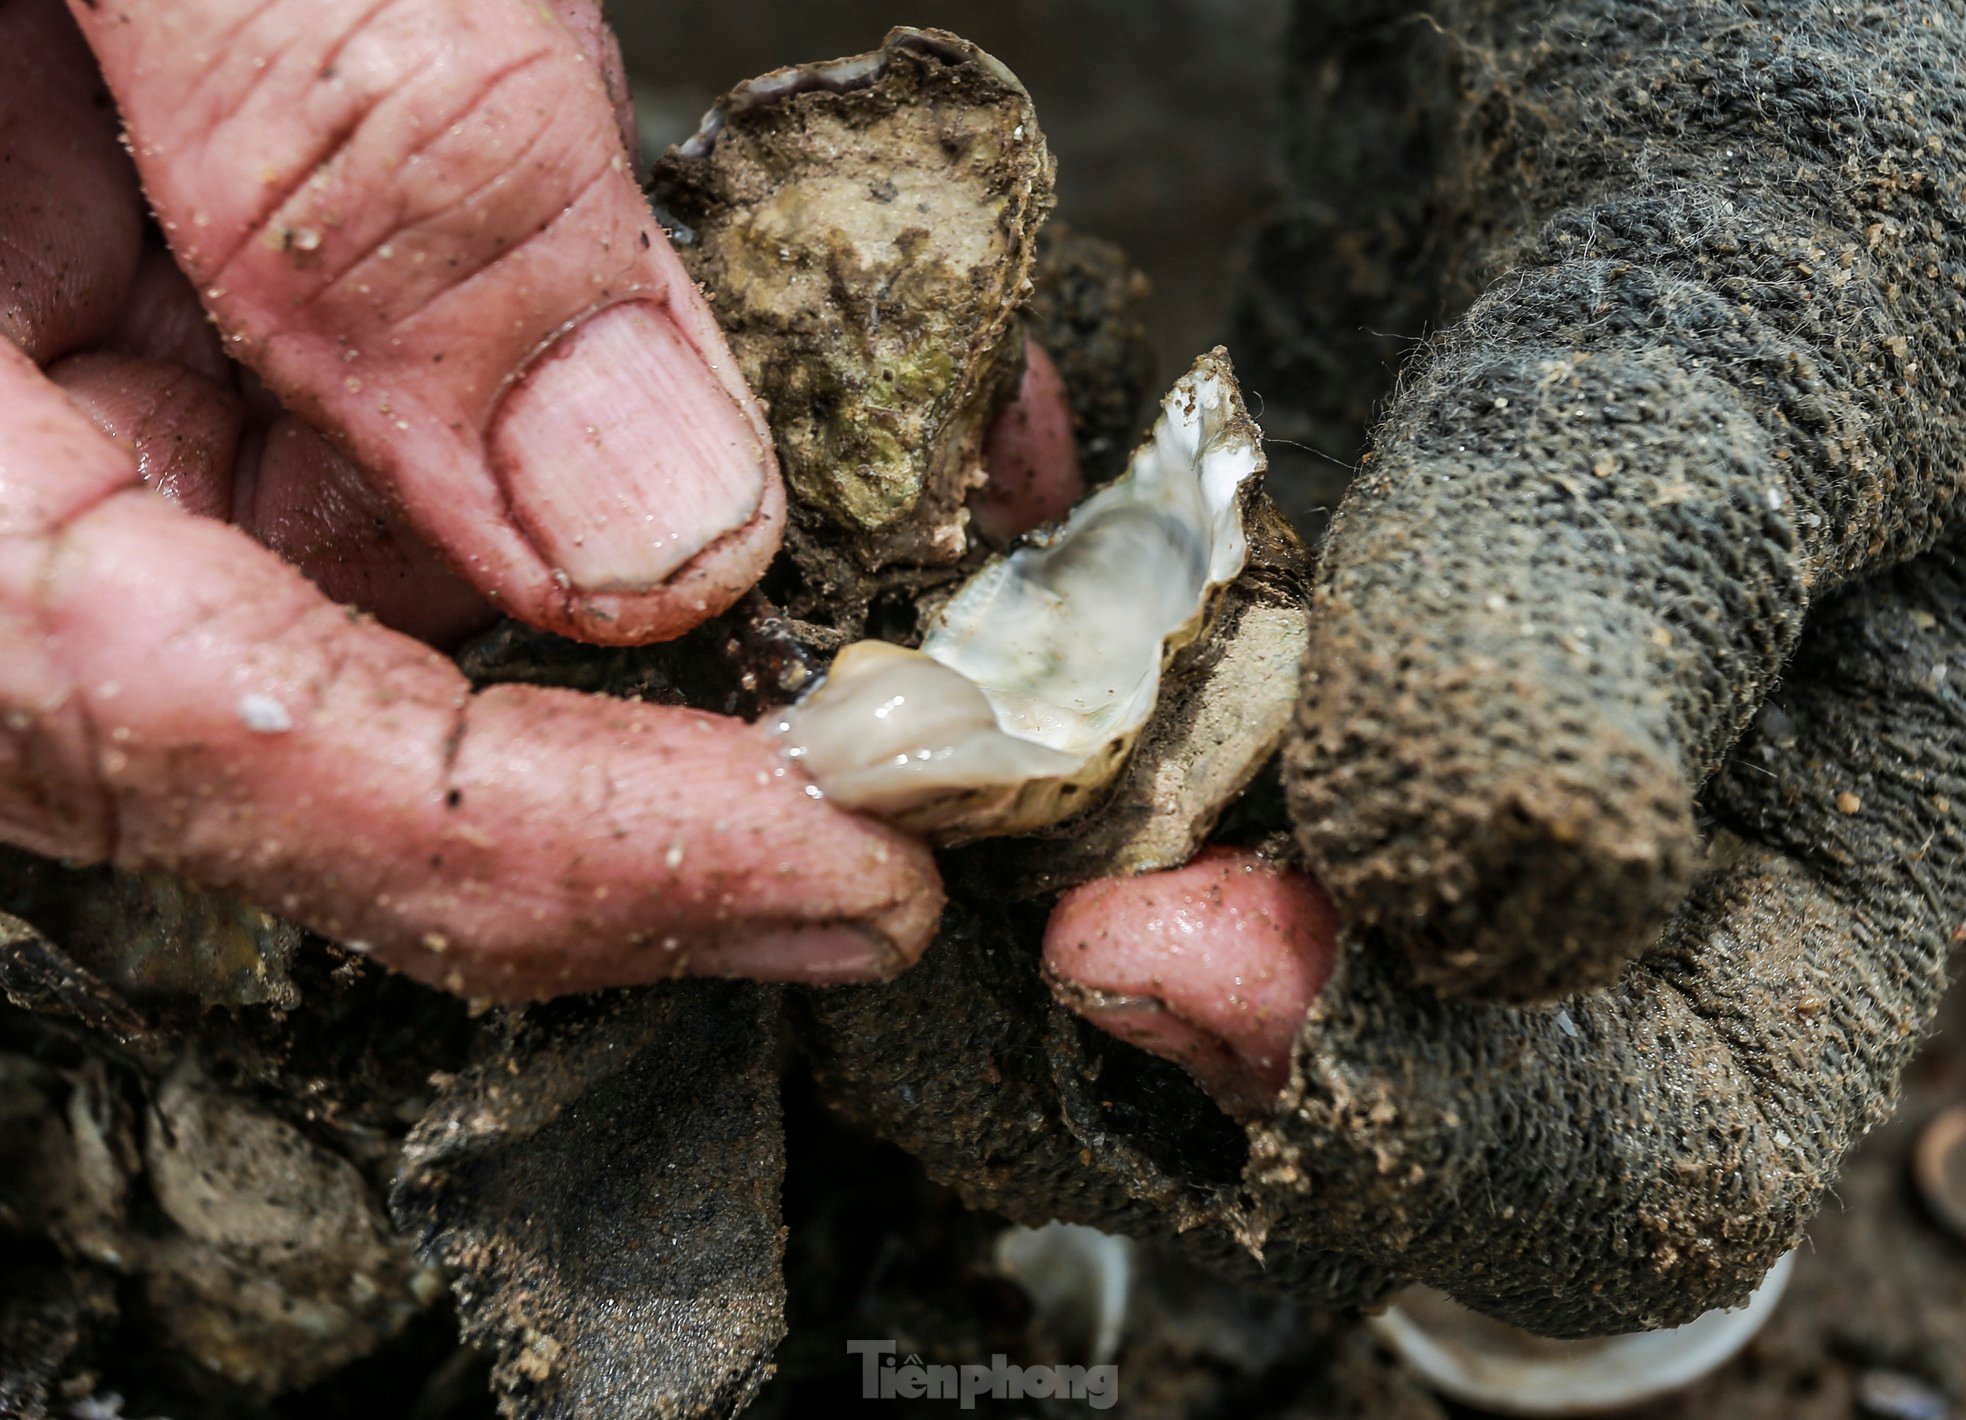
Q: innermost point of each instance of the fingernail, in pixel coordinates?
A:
(818, 953)
(1238, 1085)
(623, 456)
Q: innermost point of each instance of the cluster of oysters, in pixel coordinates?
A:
(868, 232)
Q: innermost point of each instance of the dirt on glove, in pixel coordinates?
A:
(1712, 379)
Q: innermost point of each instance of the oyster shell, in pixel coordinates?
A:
(1039, 675)
(865, 230)
(1499, 1369)
(1223, 715)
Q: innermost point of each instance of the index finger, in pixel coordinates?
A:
(173, 696)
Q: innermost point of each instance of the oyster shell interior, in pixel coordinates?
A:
(1502, 1370)
(1036, 678)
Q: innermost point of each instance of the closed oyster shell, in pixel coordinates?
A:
(865, 230)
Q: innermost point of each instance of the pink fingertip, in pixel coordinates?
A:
(1031, 454)
(1212, 965)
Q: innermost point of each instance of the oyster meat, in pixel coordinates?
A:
(1223, 713)
(1038, 676)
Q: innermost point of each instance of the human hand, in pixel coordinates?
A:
(461, 330)
(1627, 751)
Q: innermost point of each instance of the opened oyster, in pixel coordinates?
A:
(1039, 675)
(865, 230)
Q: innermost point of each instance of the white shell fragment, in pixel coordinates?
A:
(1494, 1367)
(264, 715)
(1036, 678)
(1079, 1280)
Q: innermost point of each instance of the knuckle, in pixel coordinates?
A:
(421, 184)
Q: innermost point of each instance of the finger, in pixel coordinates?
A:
(70, 220)
(173, 696)
(274, 476)
(1596, 515)
(1634, 1157)
(182, 428)
(69, 223)
(417, 224)
(298, 495)
(1031, 454)
(304, 499)
(286, 485)
(1213, 966)
(590, 30)
(968, 1063)
(162, 320)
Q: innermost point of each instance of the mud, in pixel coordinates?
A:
(1875, 1304)
(193, 1194)
(603, 1183)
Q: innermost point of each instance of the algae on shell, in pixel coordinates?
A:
(865, 230)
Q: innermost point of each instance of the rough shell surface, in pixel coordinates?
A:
(865, 230)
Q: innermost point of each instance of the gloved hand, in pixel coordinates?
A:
(1628, 750)
(472, 376)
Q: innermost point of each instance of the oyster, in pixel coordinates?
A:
(865, 230)
(1038, 676)
(1224, 714)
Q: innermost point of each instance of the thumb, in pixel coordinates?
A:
(418, 224)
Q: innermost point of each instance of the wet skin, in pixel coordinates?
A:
(441, 317)
(416, 229)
